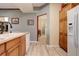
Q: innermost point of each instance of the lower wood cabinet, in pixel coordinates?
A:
(14, 52)
(22, 46)
(2, 49)
(3, 54)
(15, 47)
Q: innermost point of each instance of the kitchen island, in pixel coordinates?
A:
(13, 44)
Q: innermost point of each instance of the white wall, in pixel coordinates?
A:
(54, 24)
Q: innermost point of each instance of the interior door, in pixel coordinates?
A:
(42, 28)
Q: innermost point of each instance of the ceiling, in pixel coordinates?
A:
(24, 7)
(38, 4)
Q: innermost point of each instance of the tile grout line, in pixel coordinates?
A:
(47, 50)
(57, 52)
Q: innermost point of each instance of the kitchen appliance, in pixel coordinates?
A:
(4, 25)
(73, 31)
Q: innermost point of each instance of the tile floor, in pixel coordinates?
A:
(41, 49)
(37, 49)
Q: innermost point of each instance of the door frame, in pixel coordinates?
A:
(38, 22)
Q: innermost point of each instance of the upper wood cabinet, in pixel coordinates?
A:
(63, 12)
(64, 5)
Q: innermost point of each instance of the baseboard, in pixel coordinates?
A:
(52, 45)
(33, 41)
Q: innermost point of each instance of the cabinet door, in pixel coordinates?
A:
(12, 43)
(65, 26)
(61, 26)
(4, 54)
(14, 52)
(61, 40)
(62, 15)
(23, 46)
(65, 43)
(63, 34)
(2, 48)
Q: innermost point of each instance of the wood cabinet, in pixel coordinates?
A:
(63, 25)
(23, 46)
(14, 52)
(12, 43)
(2, 49)
(3, 54)
(14, 47)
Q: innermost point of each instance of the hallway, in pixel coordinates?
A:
(42, 39)
(40, 48)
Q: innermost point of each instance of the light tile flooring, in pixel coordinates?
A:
(41, 49)
(42, 40)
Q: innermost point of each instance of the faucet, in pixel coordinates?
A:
(10, 27)
(10, 24)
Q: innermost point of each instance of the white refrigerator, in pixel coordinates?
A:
(73, 31)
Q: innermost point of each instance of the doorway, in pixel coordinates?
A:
(42, 29)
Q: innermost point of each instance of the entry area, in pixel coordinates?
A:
(42, 28)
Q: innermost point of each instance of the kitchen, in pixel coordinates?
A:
(18, 29)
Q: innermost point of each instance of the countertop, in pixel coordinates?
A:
(10, 36)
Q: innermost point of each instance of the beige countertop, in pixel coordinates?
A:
(10, 36)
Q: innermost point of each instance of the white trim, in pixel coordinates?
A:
(33, 41)
(52, 46)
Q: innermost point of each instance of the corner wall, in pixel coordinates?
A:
(54, 24)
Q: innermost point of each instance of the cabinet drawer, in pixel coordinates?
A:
(2, 48)
(12, 43)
